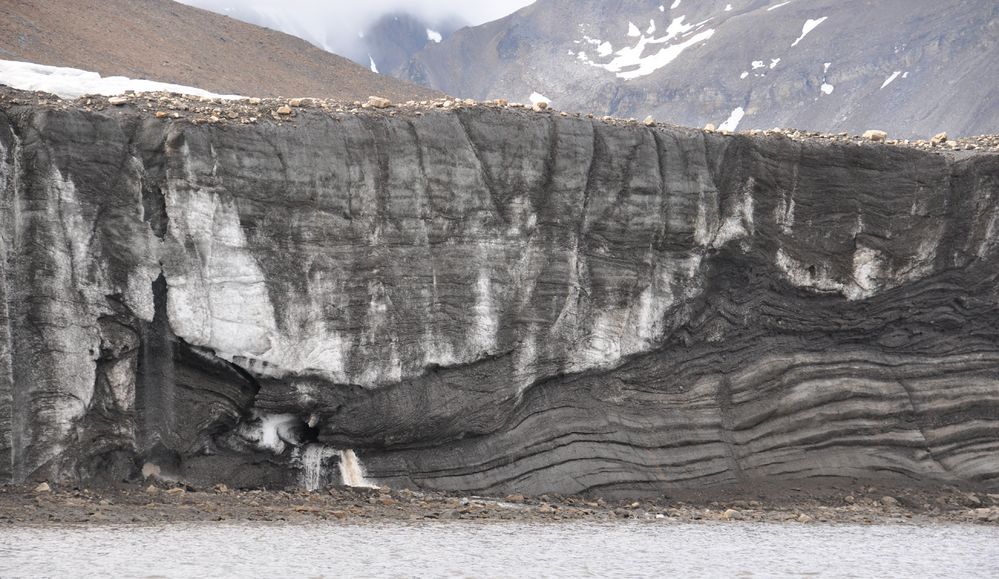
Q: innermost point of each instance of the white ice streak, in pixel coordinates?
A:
(675, 5)
(809, 25)
(774, 62)
(374, 68)
(776, 6)
(70, 83)
(744, 74)
(890, 79)
(271, 431)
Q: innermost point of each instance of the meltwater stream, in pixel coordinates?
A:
(466, 549)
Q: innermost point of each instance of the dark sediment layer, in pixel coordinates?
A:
(490, 300)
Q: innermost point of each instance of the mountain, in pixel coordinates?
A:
(171, 42)
(490, 300)
(394, 39)
(912, 67)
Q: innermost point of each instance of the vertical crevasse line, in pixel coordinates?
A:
(8, 181)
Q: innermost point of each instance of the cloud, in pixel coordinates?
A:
(335, 24)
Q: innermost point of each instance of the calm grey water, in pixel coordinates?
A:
(458, 549)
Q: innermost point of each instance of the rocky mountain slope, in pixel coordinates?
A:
(488, 299)
(910, 67)
(171, 42)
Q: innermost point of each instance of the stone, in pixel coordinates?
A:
(297, 102)
(379, 102)
(710, 128)
(152, 490)
(803, 518)
(254, 100)
(540, 106)
(117, 100)
(283, 110)
(938, 139)
(150, 469)
(889, 502)
(649, 121)
(875, 135)
(43, 487)
(516, 499)
(502, 102)
(176, 491)
(161, 114)
(732, 515)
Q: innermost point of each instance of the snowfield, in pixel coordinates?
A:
(71, 83)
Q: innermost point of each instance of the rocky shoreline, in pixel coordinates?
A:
(45, 505)
(253, 110)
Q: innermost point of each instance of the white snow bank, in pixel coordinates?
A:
(70, 83)
(808, 27)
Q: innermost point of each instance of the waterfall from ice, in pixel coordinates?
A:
(312, 465)
(351, 471)
(314, 472)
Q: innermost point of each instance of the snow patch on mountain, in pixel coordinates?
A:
(374, 68)
(675, 5)
(71, 83)
(629, 62)
(733, 120)
(890, 79)
(434, 36)
(776, 6)
(809, 26)
(827, 88)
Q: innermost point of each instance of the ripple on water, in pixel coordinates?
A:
(501, 550)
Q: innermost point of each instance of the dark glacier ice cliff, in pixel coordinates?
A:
(490, 300)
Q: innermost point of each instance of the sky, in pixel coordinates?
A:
(334, 24)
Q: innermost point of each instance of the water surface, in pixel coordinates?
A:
(468, 549)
